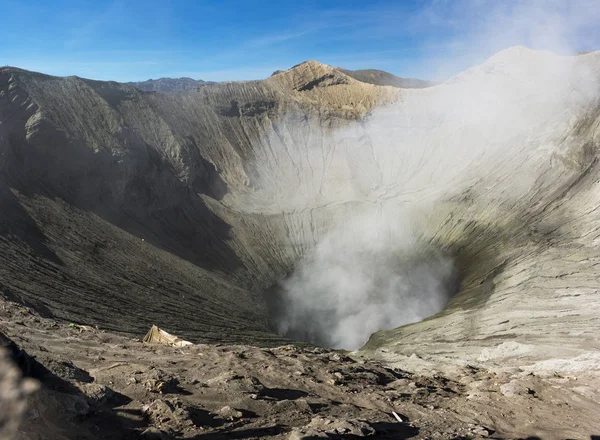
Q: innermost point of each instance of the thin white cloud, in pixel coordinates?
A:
(480, 28)
(269, 40)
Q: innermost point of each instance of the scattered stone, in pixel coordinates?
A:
(306, 434)
(242, 384)
(481, 431)
(352, 427)
(96, 394)
(510, 389)
(159, 381)
(169, 414)
(229, 413)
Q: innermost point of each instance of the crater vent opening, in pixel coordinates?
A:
(338, 297)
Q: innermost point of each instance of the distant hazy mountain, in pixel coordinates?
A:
(370, 76)
(381, 78)
(168, 85)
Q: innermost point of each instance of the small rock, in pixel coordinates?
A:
(33, 414)
(237, 384)
(228, 412)
(510, 389)
(481, 431)
(157, 409)
(96, 394)
(169, 414)
(399, 383)
(352, 427)
(158, 381)
(154, 385)
(306, 434)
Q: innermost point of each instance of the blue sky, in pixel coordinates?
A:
(129, 40)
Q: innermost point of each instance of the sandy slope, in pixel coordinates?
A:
(97, 385)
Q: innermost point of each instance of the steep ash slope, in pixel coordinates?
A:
(525, 229)
(108, 197)
(231, 185)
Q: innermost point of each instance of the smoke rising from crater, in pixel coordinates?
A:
(368, 275)
(371, 190)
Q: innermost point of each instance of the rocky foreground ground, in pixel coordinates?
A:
(91, 384)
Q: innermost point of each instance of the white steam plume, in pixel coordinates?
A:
(356, 199)
(368, 275)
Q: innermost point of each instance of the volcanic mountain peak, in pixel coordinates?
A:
(311, 70)
(310, 74)
(322, 84)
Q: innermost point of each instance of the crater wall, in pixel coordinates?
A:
(122, 208)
